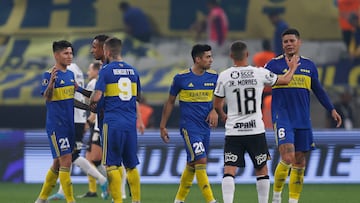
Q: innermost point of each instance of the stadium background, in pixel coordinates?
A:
(28, 27)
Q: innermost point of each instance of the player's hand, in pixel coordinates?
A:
(212, 119)
(336, 117)
(140, 126)
(164, 135)
(293, 62)
(53, 75)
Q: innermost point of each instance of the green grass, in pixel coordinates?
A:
(161, 193)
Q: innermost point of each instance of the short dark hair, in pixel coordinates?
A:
(291, 31)
(238, 49)
(61, 45)
(124, 6)
(114, 45)
(101, 38)
(199, 49)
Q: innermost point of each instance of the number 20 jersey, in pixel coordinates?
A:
(242, 88)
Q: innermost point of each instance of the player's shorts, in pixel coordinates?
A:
(79, 135)
(61, 139)
(236, 147)
(196, 144)
(302, 139)
(120, 145)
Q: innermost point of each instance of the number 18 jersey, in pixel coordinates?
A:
(242, 88)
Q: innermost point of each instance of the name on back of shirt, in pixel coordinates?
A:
(123, 72)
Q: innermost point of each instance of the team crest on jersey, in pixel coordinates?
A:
(44, 82)
(235, 75)
(191, 85)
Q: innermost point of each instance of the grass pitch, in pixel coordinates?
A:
(165, 193)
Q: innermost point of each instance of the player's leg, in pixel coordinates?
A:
(257, 148)
(50, 181)
(186, 181)
(64, 177)
(112, 152)
(130, 161)
(199, 143)
(233, 158)
(285, 139)
(303, 144)
(123, 182)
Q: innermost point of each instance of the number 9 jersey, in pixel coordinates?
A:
(120, 85)
(242, 88)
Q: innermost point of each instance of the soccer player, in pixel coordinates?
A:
(195, 87)
(120, 84)
(81, 162)
(241, 86)
(291, 116)
(58, 87)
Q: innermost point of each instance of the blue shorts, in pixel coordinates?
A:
(196, 144)
(119, 145)
(301, 138)
(62, 140)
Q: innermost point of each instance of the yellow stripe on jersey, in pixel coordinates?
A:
(62, 93)
(196, 95)
(104, 143)
(55, 145)
(298, 81)
(113, 90)
(188, 144)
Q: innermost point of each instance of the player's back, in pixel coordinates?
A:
(242, 88)
(122, 85)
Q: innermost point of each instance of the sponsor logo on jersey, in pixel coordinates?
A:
(209, 84)
(304, 70)
(261, 158)
(245, 125)
(62, 82)
(247, 74)
(230, 157)
(190, 85)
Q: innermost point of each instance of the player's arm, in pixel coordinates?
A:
(83, 91)
(94, 99)
(78, 104)
(167, 109)
(49, 91)
(325, 101)
(219, 107)
(292, 63)
(140, 123)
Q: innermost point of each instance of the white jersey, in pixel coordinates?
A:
(79, 114)
(242, 88)
(91, 87)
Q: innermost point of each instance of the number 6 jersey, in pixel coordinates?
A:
(242, 88)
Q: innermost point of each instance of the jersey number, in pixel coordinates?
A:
(247, 100)
(199, 147)
(125, 89)
(64, 143)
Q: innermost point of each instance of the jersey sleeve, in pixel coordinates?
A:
(175, 86)
(220, 86)
(269, 78)
(270, 65)
(44, 82)
(100, 83)
(319, 91)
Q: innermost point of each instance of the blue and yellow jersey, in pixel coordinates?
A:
(60, 110)
(120, 84)
(292, 102)
(195, 97)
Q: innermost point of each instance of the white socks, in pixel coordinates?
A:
(228, 189)
(90, 169)
(263, 187)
